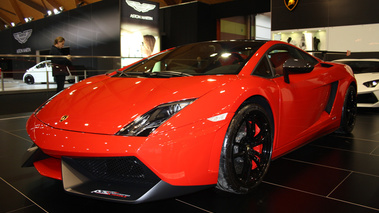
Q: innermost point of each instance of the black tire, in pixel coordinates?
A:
(247, 149)
(29, 79)
(349, 111)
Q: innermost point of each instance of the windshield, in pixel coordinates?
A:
(206, 58)
(363, 66)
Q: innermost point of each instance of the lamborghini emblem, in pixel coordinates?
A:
(63, 118)
(290, 4)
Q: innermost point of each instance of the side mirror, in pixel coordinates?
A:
(295, 66)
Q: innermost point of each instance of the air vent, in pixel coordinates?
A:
(326, 65)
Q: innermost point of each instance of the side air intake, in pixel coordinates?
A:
(332, 96)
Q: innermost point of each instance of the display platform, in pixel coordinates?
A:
(332, 174)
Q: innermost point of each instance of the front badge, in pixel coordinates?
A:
(63, 118)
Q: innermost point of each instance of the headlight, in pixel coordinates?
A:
(371, 84)
(148, 122)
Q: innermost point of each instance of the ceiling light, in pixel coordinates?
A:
(59, 10)
(28, 19)
(80, 4)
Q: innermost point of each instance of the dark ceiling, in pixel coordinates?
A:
(14, 12)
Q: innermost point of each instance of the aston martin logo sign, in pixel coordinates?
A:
(290, 4)
(22, 37)
(140, 7)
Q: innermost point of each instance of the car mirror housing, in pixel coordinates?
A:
(295, 66)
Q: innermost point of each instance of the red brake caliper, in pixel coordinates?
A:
(256, 148)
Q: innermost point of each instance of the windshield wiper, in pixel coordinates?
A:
(163, 74)
(143, 74)
(169, 74)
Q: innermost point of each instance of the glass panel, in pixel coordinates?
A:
(26, 72)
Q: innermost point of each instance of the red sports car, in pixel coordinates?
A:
(199, 115)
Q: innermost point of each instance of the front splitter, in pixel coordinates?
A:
(81, 182)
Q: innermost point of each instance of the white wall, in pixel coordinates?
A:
(263, 26)
(356, 38)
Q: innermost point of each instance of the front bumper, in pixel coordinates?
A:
(128, 169)
(117, 179)
(370, 99)
(121, 179)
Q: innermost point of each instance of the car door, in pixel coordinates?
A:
(39, 72)
(49, 69)
(303, 100)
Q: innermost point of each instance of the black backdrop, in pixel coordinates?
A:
(92, 30)
(197, 21)
(324, 13)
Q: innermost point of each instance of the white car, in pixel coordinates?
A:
(38, 74)
(366, 72)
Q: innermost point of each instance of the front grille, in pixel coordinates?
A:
(368, 98)
(116, 170)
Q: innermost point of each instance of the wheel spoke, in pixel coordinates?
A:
(249, 172)
(239, 151)
(260, 138)
(256, 156)
(250, 128)
(246, 171)
(259, 162)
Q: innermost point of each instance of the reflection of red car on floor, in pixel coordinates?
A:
(200, 115)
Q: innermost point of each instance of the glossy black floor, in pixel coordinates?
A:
(332, 174)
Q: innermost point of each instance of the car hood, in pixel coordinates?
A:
(104, 105)
(364, 77)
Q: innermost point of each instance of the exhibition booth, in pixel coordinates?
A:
(98, 134)
(101, 36)
(338, 26)
(108, 35)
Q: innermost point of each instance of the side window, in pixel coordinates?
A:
(41, 66)
(308, 58)
(263, 69)
(277, 58)
(282, 53)
(363, 66)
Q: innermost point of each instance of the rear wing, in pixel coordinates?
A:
(329, 55)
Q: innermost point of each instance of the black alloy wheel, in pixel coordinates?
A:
(349, 111)
(246, 151)
(29, 79)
